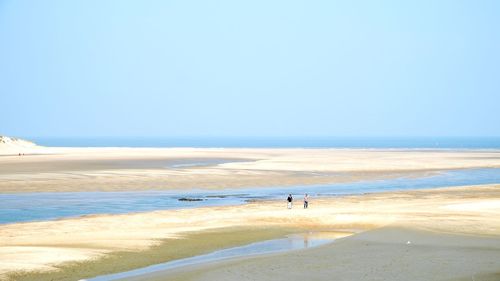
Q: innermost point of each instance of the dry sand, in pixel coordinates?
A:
(470, 211)
(111, 169)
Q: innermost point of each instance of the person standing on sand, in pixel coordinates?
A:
(289, 200)
(306, 201)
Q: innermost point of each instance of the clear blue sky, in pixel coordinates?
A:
(250, 68)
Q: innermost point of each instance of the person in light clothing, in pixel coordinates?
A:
(306, 201)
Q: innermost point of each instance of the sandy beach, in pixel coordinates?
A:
(83, 247)
(110, 169)
(468, 211)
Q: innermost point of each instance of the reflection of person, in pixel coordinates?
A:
(306, 201)
(289, 200)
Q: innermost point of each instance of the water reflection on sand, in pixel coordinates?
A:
(289, 243)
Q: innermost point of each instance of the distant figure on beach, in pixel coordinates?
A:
(289, 200)
(306, 201)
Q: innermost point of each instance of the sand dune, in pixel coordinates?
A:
(16, 146)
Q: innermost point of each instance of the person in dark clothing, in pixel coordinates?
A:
(289, 200)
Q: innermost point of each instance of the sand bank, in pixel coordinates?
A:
(389, 254)
(113, 169)
(439, 210)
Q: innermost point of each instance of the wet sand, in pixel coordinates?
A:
(191, 244)
(464, 212)
(116, 169)
(389, 254)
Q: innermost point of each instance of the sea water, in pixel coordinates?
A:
(23, 207)
(276, 142)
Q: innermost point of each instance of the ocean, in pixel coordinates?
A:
(276, 142)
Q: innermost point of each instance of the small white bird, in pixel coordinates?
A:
(408, 243)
